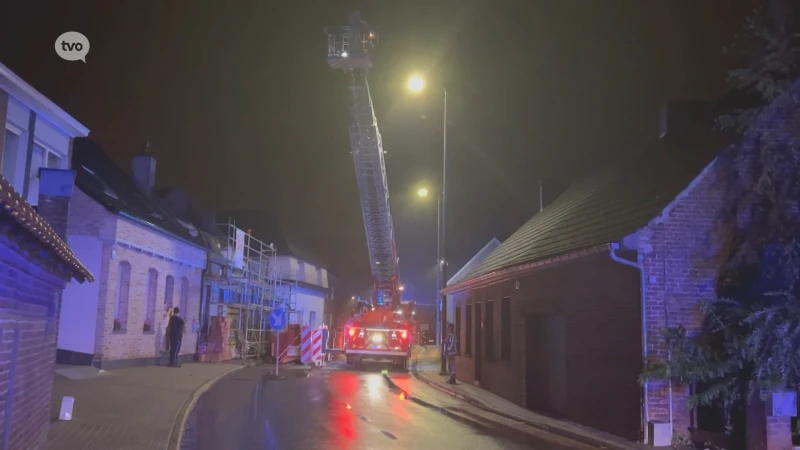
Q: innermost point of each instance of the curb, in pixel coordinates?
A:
(178, 426)
(437, 408)
(483, 423)
(565, 433)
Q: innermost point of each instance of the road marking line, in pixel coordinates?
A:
(389, 435)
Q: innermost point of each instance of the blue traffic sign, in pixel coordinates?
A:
(277, 319)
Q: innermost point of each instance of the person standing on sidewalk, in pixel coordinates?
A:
(162, 337)
(175, 330)
(451, 350)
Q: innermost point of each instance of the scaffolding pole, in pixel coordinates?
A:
(249, 281)
(252, 285)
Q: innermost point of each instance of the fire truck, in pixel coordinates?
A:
(381, 334)
(385, 328)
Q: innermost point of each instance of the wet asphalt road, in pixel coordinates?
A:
(331, 409)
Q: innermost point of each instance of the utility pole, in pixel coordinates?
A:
(541, 191)
(443, 262)
(437, 301)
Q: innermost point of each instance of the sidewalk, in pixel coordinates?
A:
(138, 408)
(426, 367)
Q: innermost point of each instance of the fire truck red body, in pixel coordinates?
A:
(380, 334)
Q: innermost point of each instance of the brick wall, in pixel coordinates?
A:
(89, 218)
(55, 190)
(144, 249)
(776, 433)
(135, 343)
(602, 338)
(681, 252)
(28, 332)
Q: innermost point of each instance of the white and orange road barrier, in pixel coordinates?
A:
(316, 347)
(311, 346)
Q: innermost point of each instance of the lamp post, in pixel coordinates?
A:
(423, 192)
(416, 84)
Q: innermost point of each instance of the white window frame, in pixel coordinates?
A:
(18, 131)
(13, 128)
(34, 172)
(47, 150)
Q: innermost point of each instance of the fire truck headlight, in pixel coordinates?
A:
(377, 338)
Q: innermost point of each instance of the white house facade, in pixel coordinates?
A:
(36, 133)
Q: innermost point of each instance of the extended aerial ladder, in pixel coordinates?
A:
(349, 49)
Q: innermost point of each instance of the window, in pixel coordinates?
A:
(468, 339)
(312, 319)
(458, 327)
(169, 291)
(123, 292)
(41, 157)
(505, 324)
(184, 297)
(8, 165)
(488, 329)
(150, 305)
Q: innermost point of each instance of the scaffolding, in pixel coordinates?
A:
(252, 285)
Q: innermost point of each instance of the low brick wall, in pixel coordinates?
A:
(29, 301)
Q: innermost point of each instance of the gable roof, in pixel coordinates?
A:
(608, 204)
(14, 207)
(106, 183)
(265, 225)
(474, 261)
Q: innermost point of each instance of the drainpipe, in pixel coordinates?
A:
(613, 247)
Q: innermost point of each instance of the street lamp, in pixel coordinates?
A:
(417, 84)
(422, 192)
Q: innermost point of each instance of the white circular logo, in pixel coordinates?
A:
(72, 46)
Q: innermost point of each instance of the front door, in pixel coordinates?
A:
(478, 341)
(536, 380)
(545, 362)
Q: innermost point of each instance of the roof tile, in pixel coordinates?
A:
(607, 205)
(105, 182)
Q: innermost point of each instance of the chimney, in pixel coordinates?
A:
(680, 119)
(208, 220)
(55, 192)
(144, 172)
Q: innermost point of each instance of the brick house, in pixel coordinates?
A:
(146, 260)
(35, 266)
(215, 239)
(555, 318)
(457, 277)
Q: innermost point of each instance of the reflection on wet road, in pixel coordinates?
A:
(339, 410)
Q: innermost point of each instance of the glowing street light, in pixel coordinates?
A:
(422, 192)
(416, 83)
(402, 288)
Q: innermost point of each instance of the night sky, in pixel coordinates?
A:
(243, 111)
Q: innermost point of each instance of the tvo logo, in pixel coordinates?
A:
(72, 46)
